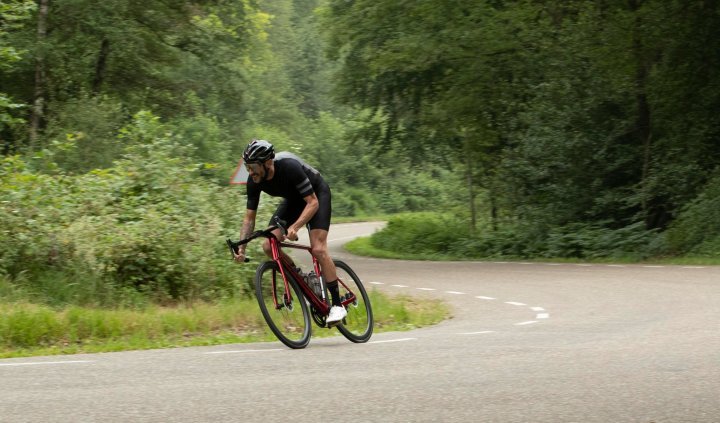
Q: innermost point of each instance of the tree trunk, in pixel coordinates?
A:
(38, 110)
(493, 212)
(643, 131)
(471, 191)
(643, 123)
(100, 66)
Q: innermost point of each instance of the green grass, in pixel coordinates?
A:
(30, 329)
(363, 247)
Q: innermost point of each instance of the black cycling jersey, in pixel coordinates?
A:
(293, 180)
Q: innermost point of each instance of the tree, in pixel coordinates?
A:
(13, 15)
(161, 55)
(565, 112)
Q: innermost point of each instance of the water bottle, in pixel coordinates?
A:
(314, 282)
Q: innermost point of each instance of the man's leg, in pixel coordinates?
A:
(318, 243)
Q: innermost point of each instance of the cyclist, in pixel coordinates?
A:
(306, 201)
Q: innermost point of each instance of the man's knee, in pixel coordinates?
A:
(267, 248)
(319, 251)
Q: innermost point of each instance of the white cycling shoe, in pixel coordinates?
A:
(337, 313)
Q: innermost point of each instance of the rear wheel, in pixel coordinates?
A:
(358, 325)
(289, 320)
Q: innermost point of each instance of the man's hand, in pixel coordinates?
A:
(292, 234)
(239, 257)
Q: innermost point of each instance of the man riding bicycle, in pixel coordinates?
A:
(306, 201)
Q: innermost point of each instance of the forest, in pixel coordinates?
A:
(522, 129)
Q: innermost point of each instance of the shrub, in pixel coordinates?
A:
(594, 240)
(419, 233)
(433, 233)
(697, 228)
(148, 224)
(32, 210)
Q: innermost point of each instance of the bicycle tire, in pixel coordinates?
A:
(289, 324)
(358, 325)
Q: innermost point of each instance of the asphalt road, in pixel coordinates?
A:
(528, 342)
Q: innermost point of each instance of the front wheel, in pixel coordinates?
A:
(358, 325)
(285, 311)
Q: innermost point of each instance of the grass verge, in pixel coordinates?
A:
(30, 329)
(363, 247)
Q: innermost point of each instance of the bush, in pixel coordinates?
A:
(349, 201)
(697, 228)
(594, 240)
(448, 235)
(33, 208)
(419, 233)
(90, 124)
(149, 225)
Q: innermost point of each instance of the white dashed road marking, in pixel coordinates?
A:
(541, 313)
(38, 363)
(481, 297)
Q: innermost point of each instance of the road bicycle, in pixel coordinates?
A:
(288, 299)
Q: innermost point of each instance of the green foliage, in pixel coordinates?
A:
(172, 58)
(572, 115)
(419, 233)
(697, 228)
(84, 133)
(572, 128)
(149, 224)
(445, 235)
(13, 16)
(33, 209)
(598, 241)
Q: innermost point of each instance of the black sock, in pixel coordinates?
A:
(334, 293)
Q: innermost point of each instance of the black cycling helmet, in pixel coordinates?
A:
(258, 151)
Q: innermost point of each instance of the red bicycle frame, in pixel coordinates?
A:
(320, 304)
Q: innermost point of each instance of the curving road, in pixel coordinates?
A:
(529, 342)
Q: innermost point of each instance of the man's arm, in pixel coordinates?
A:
(247, 229)
(311, 207)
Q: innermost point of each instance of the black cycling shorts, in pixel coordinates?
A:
(291, 211)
